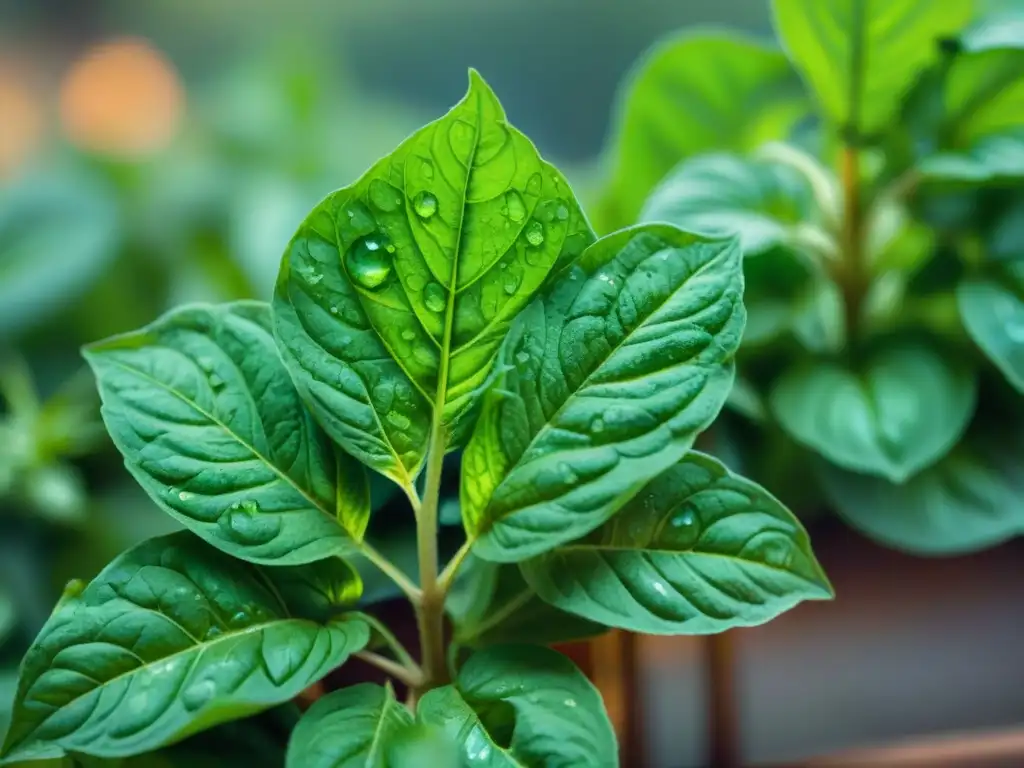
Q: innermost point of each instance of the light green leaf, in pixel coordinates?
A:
(174, 637)
(531, 699)
(350, 728)
(818, 316)
(720, 195)
(861, 56)
(970, 500)
(699, 550)
(211, 426)
(899, 412)
(491, 603)
(56, 236)
(992, 310)
(999, 156)
(612, 372)
(693, 94)
(397, 291)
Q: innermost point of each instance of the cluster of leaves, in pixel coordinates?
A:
(452, 301)
(871, 168)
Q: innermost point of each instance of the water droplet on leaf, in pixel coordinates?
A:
(198, 694)
(244, 524)
(311, 275)
(534, 233)
(514, 205)
(408, 334)
(434, 297)
(597, 426)
(522, 357)
(213, 632)
(185, 495)
(425, 205)
(562, 213)
(368, 262)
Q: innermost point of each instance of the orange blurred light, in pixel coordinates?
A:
(21, 126)
(121, 98)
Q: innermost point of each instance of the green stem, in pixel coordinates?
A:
(394, 644)
(451, 570)
(392, 668)
(386, 567)
(431, 606)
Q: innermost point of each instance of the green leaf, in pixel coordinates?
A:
(8, 615)
(861, 56)
(697, 551)
(992, 310)
(397, 291)
(491, 603)
(515, 706)
(719, 195)
(172, 638)
(968, 501)
(210, 425)
(350, 728)
(693, 94)
(998, 156)
(612, 372)
(899, 412)
(56, 236)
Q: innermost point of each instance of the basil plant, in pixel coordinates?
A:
(453, 300)
(870, 165)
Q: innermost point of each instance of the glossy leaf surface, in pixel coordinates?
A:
(611, 374)
(968, 501)
(861, 56)
(396, 292)
(350, 728)
(173, 637)
(903, 410)
(212, 428)
(721, 195)
(992, 310)
(693, 94)
(698, 550)
(531, 699)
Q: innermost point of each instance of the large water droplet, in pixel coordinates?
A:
(368, 261)
(682, 530)
(534, 233)
(425, 205)
(434, 297)
(514, 205)
(245, 524)
(384, 196)
(198, 694)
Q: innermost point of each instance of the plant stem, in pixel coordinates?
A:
(448, 574)
(431, 605)
(386, 567)
(394, 643)
(392, 668)
(854, 276)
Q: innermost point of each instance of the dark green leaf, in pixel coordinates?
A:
(56, 236)
(968, 501)
(699, 550)
(895, 415)
(516, 706)
(992, 309)
(491, 603)
(719, 195)
(350, 728)
(210, 425)
(8, 615)
(861, 56)
(396, 292)
(693, 94)
(172, 638)
(612, 372)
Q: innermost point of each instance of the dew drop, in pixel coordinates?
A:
(240, 618)
(408, 334)
(426, 168)
(198, 695)
(511, 284)
(434, 298)
(562, 213)
(683, 529)
(244, 524)
(567, 474)
(311, 275)
(597, 425)
(522, 358)
(570, 703)
(213, 632)
(425, 205)
(683, 520)
(185, 495)
(384, 196)
(534, 233)
(368, 262)
(533, 185)
(334, 310)
(603, 277)
(660, 588)
(514, 206)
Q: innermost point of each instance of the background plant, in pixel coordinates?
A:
(870, 165)
(452, 300)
